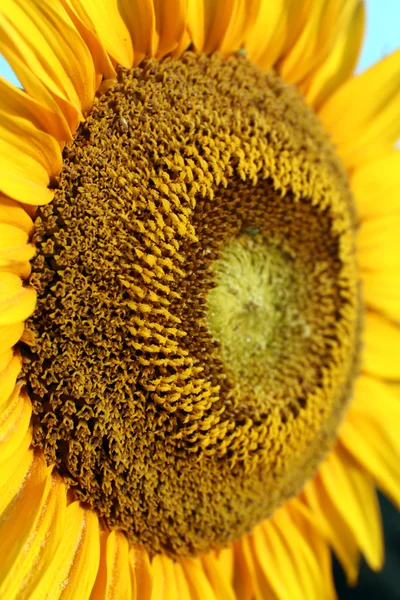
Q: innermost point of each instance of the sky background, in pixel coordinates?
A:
(382, 35)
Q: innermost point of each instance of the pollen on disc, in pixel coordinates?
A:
(197, 329)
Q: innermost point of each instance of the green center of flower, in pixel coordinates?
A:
(197, 329)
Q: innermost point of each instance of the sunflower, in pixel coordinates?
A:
(200, 295)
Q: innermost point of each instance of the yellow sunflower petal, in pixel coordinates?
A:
(367, 441)
(10, 368)
(341, 60)
(381, 290)
(267, 37)
(17, 303)
(170, 24)
(329, 520)
(103, 17)
(315, 40)
(14, 248)
(139, 17)
(382, 347)
(353, 494)
(218, 578)
(36, 542)
(21, 511)
(181, 583)
(76, 559)
(376, 186)
(28, 158)
(141, 573)
(317, 543)
(364, 134)
(102, 62)
(14, 423)
(63, 117)
(45, 37)
(113, 577)
(10, 335)
(16, 102)
(379, 244)
(221, 25)
(13, 213)
(261, 589)
(243, 583)
(199, 585)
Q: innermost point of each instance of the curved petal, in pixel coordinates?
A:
(28, 159)
(75, 560)
(364, 134)
(17, 303)
(376, 186)
(13, 213)
(14, 423)
(341, 61)
(43, 35)
(170, 25)
(10, 368)
(354, 496)
(10, 335)
(382, 347)
(104, 18)
(113, 577)
(220, 25)
(37, 541)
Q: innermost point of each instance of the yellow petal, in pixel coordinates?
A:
(368, 443)
(376, 186)
(10, 335)
(378, 243)
(381, 291)
(104, 18)
(17, 103)
(170, 24)
(291, 575)
(102, 63)
(219, 579)
(382, 347)
(10, 368)
(36, 542)
(139, 18)
(243, 581)
(181, 583)
(45, 37)
(17, 303)
(76, 559)
(13, 246)
(113, 577)
(12, 212)
(353, 494)
(254, 562)
(14, 423)
(266, 39)
(14, 472)
(141, 573)
(363, 115)
(199, 585)
(316, 39)
(221, 25)
(341, 61)
(332, 525)
(28, 159)
(66, 117)
(21, 512)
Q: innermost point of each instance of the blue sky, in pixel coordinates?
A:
(382, 35)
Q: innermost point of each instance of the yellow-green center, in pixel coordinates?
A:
(197, 330)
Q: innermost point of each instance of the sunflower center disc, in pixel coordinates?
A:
(196, 335)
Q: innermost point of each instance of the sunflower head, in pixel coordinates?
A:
(194, 309)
